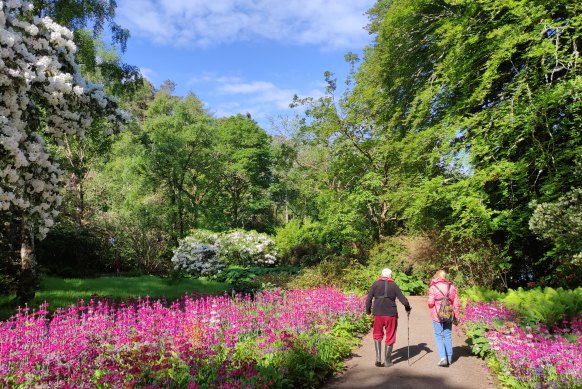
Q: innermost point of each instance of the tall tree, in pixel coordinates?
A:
(179, 157)
(243, 149)
(499, 80)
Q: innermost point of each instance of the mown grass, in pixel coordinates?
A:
(64, 292)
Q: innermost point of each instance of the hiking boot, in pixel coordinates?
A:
(443, 362)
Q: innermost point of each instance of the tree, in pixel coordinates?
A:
(497, 84)
(179, 158)
(243, 149)
(44, 97)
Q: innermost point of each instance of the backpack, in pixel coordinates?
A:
(446, 313)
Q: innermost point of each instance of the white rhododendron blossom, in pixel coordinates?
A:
(247, 248)
(43, 96)
(208, 253)
(196, 258)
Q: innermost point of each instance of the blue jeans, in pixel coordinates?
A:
(444, 346)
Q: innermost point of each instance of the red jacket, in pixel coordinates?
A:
(438, 290)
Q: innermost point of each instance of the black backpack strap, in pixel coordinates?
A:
(385, 291)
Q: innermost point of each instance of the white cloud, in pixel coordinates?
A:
(262, 99)
(150, 74)
(332, 24)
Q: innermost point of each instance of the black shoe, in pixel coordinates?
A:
(379, 364)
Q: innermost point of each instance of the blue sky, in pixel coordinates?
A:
(242, 56)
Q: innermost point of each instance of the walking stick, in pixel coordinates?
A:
(408, 340)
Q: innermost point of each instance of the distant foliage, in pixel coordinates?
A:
(207, 253)
(352, 276)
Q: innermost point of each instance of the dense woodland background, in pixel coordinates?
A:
(457, 145)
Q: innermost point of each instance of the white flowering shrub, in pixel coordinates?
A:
(43, 97)
(247, 248)
(197, 258)
(208, 253)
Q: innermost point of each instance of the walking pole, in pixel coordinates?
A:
(408, 340)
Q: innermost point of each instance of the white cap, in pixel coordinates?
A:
(386, 272)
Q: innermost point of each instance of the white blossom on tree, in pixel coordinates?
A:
(42, 97)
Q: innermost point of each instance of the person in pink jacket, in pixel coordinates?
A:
(437, 291)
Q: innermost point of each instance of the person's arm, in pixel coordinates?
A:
(402, 299)
(431, 297)
(369, 300)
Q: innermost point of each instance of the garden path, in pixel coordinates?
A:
(466, 371)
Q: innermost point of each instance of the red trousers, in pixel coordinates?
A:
(388, 324)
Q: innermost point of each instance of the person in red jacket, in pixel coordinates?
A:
(384, 292)
(437, 291)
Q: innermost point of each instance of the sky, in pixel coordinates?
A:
(244, 56)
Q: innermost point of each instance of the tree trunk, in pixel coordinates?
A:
(27, 274)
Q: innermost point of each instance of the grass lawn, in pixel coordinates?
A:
(63, 292)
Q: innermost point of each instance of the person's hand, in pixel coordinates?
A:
(408, 308)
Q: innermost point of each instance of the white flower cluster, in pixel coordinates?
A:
(42, 97)
(247, 248)
(206, 252)
(194, 257)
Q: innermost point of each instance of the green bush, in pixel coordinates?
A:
(328, 272)
(299, 242)
(73, 251)
(390, 253)
(546, 305)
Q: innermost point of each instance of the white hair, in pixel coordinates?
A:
(386, 272)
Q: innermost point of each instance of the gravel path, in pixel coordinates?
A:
(421, 371)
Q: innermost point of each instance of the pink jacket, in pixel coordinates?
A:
(437, 290)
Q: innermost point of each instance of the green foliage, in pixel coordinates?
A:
(540, 304)
(390, 253)
(299, 242)
(546, 305)
(328, 272)
(560, 222)
(72, 251)
(481, 294)
(352, 276)
(478, 341)
(177, 160)
(241, 198)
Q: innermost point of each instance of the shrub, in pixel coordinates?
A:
(208, 253)
(350, 275)
(299, 242)
(73, 251)
(197, 258)
(391, 253)
(246, 248)
(327, 272)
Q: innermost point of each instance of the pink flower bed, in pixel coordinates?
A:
(530, 356)
(149, 343)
